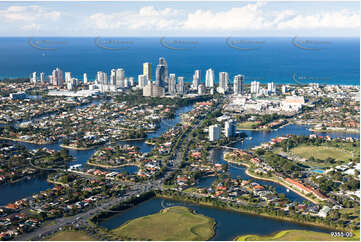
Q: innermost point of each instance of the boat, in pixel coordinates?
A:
(288, 190)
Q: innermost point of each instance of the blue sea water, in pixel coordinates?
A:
(282, 60)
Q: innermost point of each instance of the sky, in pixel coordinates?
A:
(153, 19)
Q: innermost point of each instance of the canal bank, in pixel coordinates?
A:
(271, 180)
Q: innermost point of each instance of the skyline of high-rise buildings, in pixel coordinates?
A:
(170, 83)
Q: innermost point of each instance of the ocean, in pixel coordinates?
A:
(281, 60)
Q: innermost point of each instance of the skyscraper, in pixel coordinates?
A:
(271, 88)
(238, 84)
(147, 70)
(209, 78)
(229, 128)
(42, 77)
(85, 78)
(33, 78)
(180, 85)
(255, 87)
(131, 81)
(67, 77)
(196, 79)
(113, 77)
(172, 84)
(161, 73)
(57, 77)
(120, 76)
(102, 78)
(214, 132)
(223, 82)
(142, 81)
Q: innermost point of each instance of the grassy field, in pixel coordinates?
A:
(246, 125)
(296, 235)
(174, 223)
(321, 152)
(70, 236)
(191, 189)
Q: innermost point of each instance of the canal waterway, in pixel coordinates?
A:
(26, 187)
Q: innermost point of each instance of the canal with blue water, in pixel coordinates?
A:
(229, 224)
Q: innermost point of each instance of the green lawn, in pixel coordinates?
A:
(191, 189)
(297, 235)
(246, 125)
(174, 223)
(70, 236)
(322, 152)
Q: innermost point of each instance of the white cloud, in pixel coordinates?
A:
(340, 19)
(146, 18)
(251, 16)
(28, 14)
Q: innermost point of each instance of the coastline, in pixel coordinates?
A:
(271, 180)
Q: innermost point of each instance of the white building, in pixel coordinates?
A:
(180, 85)
(172, 84)
(223, 82)
(120, 76)
(255, 87)
(196, 79)
(229, 128)
(271, 88)
(209, 78)
(113, 77)
(292, 103)
(131, 81)
(42, 77)
(33, 78)
(147, 67)
(142, 81)
(238, 84)
(201, 89)
(85, 78)
(323, 212)
(214, 132)
(67, 77)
